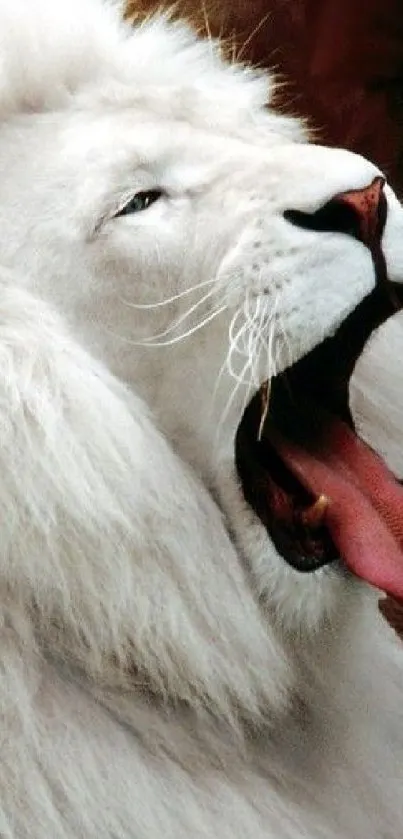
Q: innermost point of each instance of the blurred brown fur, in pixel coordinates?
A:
(342, 61)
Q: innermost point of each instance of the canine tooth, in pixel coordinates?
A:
(313, 516)
(264, 396)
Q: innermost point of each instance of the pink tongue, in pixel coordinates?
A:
(365, 514)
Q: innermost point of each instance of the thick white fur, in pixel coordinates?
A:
(163, 673)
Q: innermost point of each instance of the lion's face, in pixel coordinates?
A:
(152, 208)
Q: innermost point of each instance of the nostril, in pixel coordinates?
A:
(360, 213)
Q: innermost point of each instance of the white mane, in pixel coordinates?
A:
(164, 673)
(61, 50)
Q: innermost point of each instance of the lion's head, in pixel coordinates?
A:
(199, 246)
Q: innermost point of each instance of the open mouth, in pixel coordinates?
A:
(320, 491)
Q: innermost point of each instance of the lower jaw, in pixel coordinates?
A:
(268, 486)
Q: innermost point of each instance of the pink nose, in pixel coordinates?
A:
(369, 207)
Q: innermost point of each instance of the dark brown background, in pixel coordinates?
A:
(342, 60)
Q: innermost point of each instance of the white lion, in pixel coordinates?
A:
(169, 248)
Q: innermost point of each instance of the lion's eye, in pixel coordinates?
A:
(141, 201)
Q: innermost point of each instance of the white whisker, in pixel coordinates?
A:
(167, 300)
(230, 402)
(258, 341)
(252, 337)
(234, 349)
(289, 353)
(231, 331)
(186, 334)
(184, 316)
(271, 370)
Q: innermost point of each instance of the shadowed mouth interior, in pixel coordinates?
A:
(322, 493)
